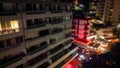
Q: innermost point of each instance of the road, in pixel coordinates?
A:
(73, 63)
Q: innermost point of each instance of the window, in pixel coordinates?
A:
(50, 20)
(2, 44)
(8, 42)
(34, 6)
(19, 39)
(15, 7)
(7, 25)
(1, 7)
(44, 32)
(29, 22)
(36, 21)
(41, 7)
(28, 7)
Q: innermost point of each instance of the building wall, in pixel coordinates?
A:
(116, 11)
(108, 10)
(43, 35)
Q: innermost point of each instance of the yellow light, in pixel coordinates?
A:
(92, 20)
(14, 24)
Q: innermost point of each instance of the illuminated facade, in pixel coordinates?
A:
(80, 25)
(35, 33)
(81, 29)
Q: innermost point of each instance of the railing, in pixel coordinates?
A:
(9, 31)
(5, 13)
(9, 47)
(9, 60)
(55, 31)
(35, 26)
(35, 12)
(37, 49)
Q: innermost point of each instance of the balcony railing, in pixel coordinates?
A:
(6, 13)
(55, 31)
(9, 31)
(38, 49)
(35, 12)
(11, 59)
(10, 47)
(56, 57)
(35, 26)
(57, 21)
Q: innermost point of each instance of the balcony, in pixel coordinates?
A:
(56, 49)
(44, 65)
(6, 13)
(36, 49)
(56, 57)
(35, 12)
(36, 26)
(68, 35)
(10, 59)
(37, 59)
(56, 30)
(56, 11)
(9, 31)
(56, 21)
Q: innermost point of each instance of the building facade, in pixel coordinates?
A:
(108, 10)
(35, 34)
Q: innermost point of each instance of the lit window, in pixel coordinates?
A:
(7, 27)
(14, 24)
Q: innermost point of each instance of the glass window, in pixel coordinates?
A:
(1, 7)
(28, 7)
(29, 22)
(8, 42)
(19, 39)
(14, 24)
(2, 44)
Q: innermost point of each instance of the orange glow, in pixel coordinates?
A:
(76, 2)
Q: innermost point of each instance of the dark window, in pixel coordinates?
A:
(50, 20)
(34, 6)
(15, 7)
(19, 39)
(44, 32)
(58, 7)
(2, 44)
(29, 22)
(1, 7)
(8, 42)
(28, 7)
(36, 21)
(41, 7)
(44, 43)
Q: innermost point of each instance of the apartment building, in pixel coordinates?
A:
(100, 9)
(109, 10)
(35, 33)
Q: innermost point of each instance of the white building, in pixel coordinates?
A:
(35, 33)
